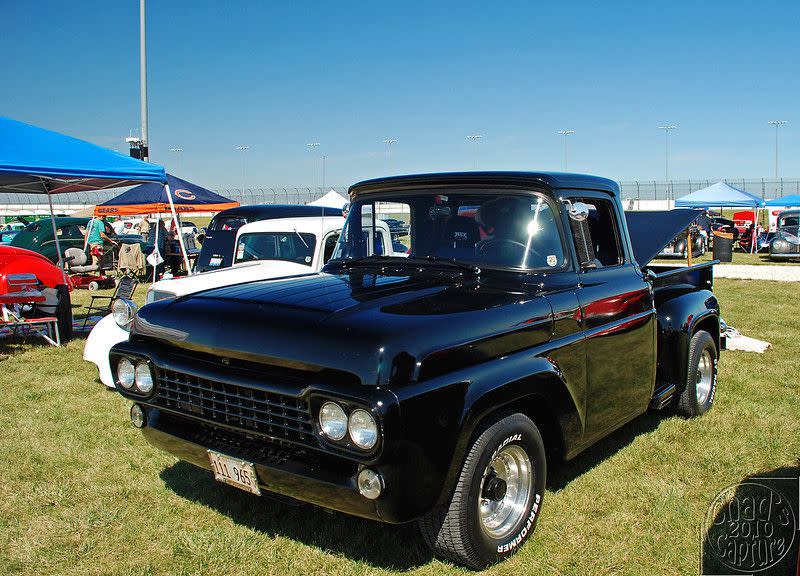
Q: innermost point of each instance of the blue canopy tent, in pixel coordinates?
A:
(38, 161)
(722, 195)
(785, 201)
(719, 194)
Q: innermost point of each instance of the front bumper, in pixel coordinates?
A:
(325, 480)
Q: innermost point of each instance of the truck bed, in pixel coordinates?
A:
(700, 276)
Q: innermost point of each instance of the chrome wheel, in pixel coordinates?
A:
(505, 493)
(705, 375)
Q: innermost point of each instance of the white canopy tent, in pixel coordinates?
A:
(330, 200)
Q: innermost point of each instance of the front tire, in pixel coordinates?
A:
(697, 396)
(496, 502)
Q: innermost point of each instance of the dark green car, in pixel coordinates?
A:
(38, 236)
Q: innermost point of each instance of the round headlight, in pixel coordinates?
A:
(144, 378)
(123, 311)
(362, 428)
(333, 420)
(125, 373)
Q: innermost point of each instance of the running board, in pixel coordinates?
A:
(662, 398)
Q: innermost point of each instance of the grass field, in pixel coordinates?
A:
(81, 493)
(738, 258)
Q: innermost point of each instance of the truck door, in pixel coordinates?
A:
(618, 318)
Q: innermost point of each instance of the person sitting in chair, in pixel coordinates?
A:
(96, 237)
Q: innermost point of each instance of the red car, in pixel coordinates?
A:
(16, 266)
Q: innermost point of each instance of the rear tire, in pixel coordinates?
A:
(697, 396)
(64, 313)
(495, 505)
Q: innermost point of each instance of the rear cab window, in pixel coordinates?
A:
(287, 246)
(597, 239)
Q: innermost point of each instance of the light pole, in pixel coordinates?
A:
(243, 149)
(666, 130)
(474, 139)
(389, 143)
(143, 81)
(312, 146)
(178, 152)
(777, 124)
(565, 133)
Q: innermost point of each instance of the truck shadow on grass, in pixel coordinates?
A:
(560, 475)
(380, 545)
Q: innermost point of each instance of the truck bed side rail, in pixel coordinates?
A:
(700, 276)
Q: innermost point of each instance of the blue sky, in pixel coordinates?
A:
(277, 75)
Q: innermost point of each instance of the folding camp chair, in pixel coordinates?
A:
(24, 292)
(125, 289)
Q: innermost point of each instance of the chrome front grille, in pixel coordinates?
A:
(249, 409)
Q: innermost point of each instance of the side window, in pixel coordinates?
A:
(601, 233)
(328, 247)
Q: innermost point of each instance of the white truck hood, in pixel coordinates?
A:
(236, 274)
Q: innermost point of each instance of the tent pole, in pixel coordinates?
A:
(155, 245)
(180, 234)
(55, 236)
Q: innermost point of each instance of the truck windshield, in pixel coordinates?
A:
(287, 246)
(497, 229)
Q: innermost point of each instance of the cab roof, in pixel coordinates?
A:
(268, 211)
(552, 180)
(307, 225)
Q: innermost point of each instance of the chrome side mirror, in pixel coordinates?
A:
(578, 211)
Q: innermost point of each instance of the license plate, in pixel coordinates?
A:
(234, 472)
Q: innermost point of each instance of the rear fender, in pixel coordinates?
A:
(681, 314)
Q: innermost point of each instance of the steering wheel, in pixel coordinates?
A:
(496, 245)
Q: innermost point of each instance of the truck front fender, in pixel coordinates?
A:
(436, 441)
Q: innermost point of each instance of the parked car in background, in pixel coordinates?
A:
(726, 225)
(6, 236)
(524, 325)
(785, 244)
(38, 236)
(188, 227)
(53, 285)
(220, 236)
(677, 248)
(274, 248)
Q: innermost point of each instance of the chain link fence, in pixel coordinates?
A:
(631, 190)
(671, 189)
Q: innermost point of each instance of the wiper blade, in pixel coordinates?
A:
(402, 261)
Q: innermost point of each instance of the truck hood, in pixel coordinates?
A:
(651, 230)
(379, 329)
(236, 274)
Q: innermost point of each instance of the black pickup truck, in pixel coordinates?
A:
(436, 386)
